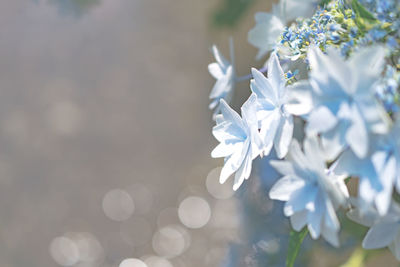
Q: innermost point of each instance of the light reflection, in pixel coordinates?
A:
(194, 212)
(118, 205)
(64, 251)
(90, 250)
(215, 188)
(171, 241)
(154, 261)
(76, 249)
(133, 263)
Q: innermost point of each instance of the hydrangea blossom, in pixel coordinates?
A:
(379, 172)
(224, 72)
(384, 230)
(269, 26)
(347, 55)
(311, 192)
(374, 172)
(240, 140)
(345, 109)
(275, 120)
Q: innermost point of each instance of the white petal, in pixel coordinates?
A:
(224, 85)
(299, 98)
(313, 152)
(276, 75)
(230, 115)
(269, 128)
(233, 162)
(315, 217)
(320, 120)
(219, 57)
(215, 70)
(357, 135)
(283, 136)
(242, 173)
(265, 33)
(262, 87)
(300, 199)
(331, 221)
(284, 187)
(331, 236)
(380, 235)
(366, 219)
(249, 110)
(334, 141)
(224, 150)
(283, 167)
(298, 220)
(387, 175)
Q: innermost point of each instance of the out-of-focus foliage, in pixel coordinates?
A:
(230, 12)
(295, 240)
(74, 7)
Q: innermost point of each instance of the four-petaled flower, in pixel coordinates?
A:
(311, 192)
(269, 26)
(224, 72)
(240, 140)
(274, 113)
(384, 230)
(345, 110)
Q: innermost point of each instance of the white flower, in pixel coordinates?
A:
(311, 192)
(344, 109)
(264, 35)
(224, 72)
(384, 231)
(240, 140)
(386, 161)
(269, 26)
(273, 111)
(375, 177)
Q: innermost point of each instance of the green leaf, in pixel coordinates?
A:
(295, 240)
(362, 12)
(230, 12)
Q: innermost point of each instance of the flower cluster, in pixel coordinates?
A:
(336, 73)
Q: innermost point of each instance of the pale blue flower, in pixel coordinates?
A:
(311, 192)
(239, 139)
(274, 113)
(384, 230)
(264, 35)
(269, 26)
(224, 72)
(345, 110)
(375, 176)
(379, 172)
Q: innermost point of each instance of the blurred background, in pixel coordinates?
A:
(105, 138)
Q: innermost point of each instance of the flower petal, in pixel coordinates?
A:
(284, 187)
(380, 235)
(283, 136)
